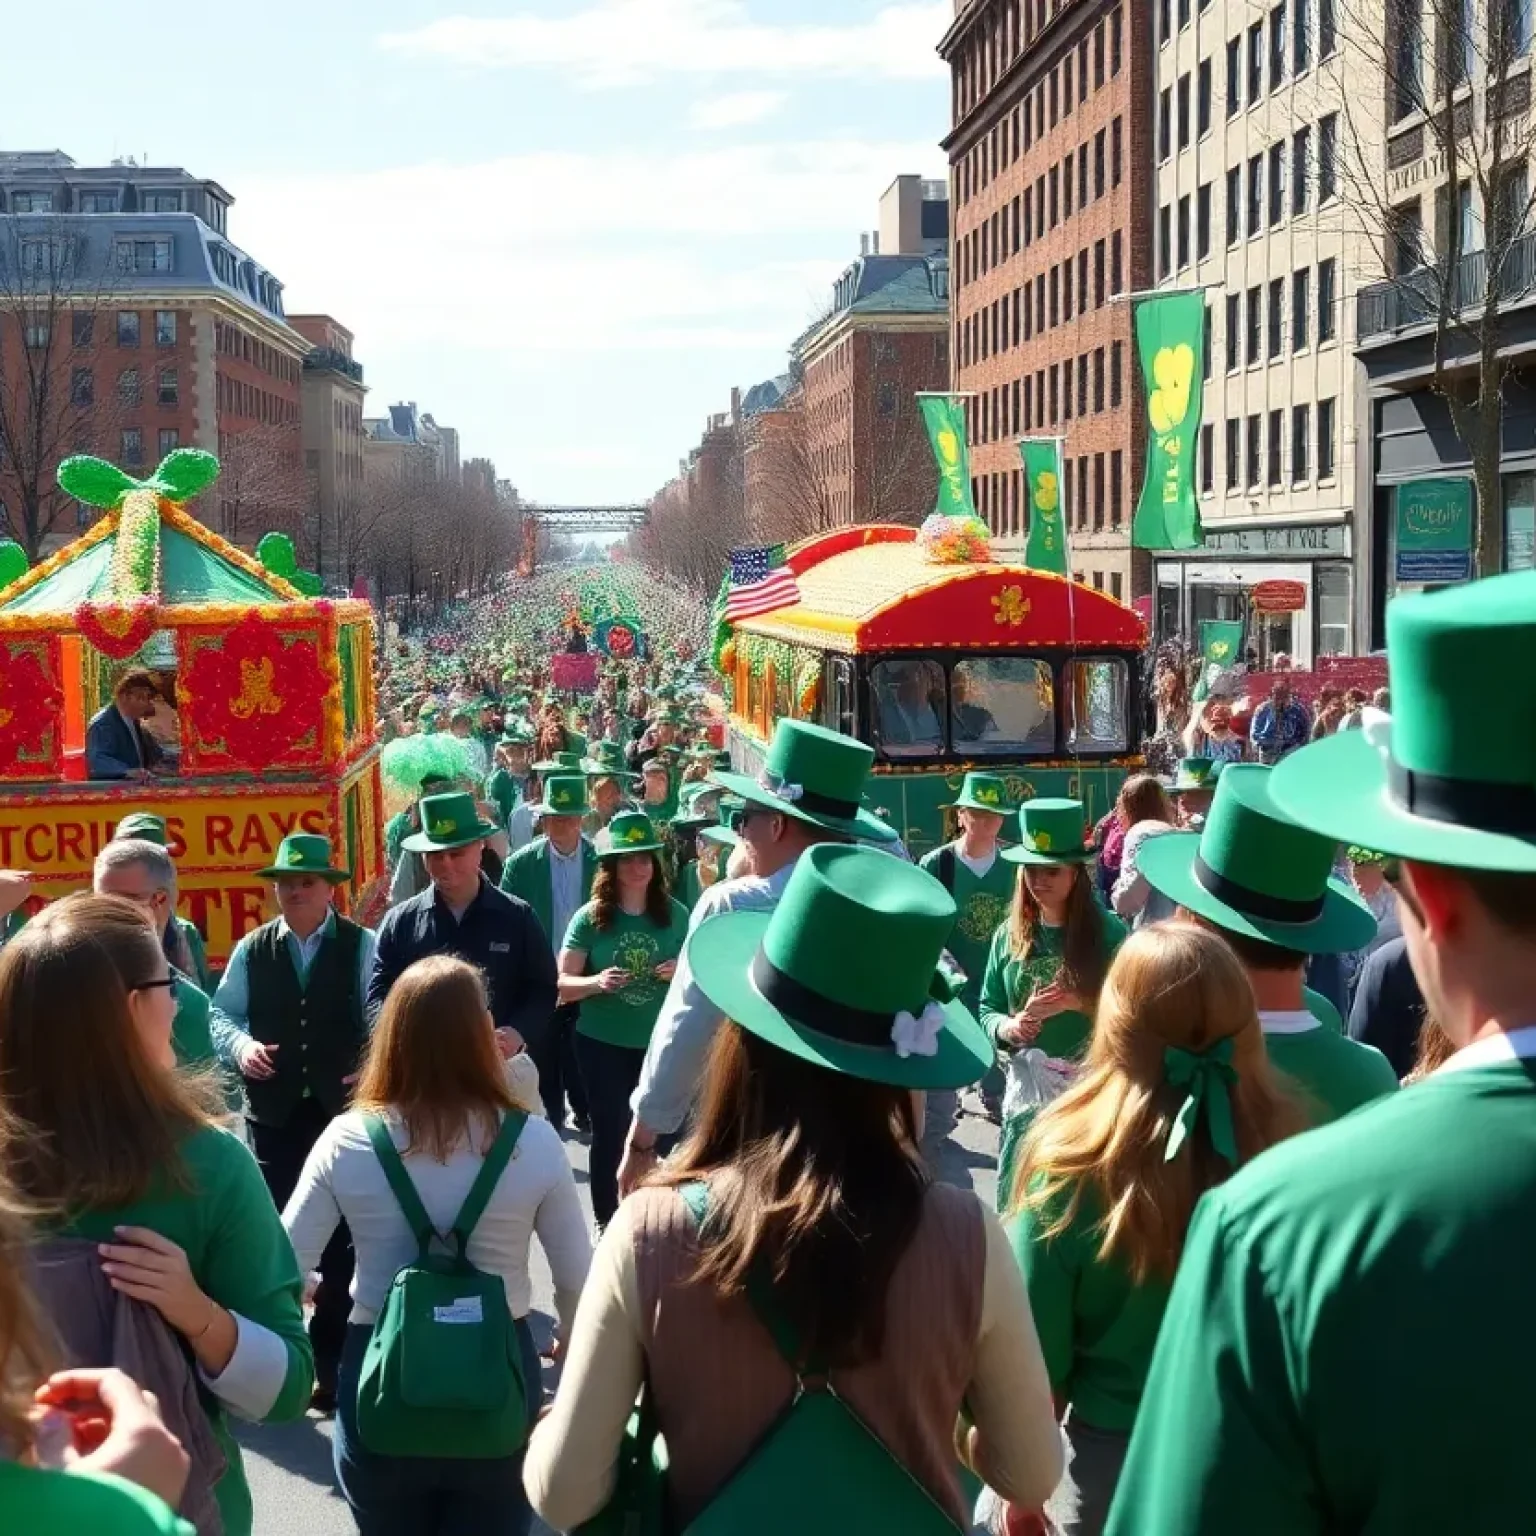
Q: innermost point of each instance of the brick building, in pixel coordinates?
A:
(1050, 160)
(333, 392)
(120, 287)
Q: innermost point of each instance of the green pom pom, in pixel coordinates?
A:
(184, 473)
(275, 551)
(94, 481)
(406, 761)
(308, 583)
(13, 562)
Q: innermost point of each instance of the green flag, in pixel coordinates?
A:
(1220, 647)
(1170, 339)
(945, 420)
(1046, 549)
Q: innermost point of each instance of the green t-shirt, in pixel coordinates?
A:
(1097, 1327)
(198, 953)
(1330, 1295)
(40, 1503)
(1006, 986)
(637, 945)
(239, 1254)
(1336, 1073)
(982, 903)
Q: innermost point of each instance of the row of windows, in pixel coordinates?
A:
(1255, 449)
(238, 398)
(1256, 329)
(1070, 287)
(1262, 50)
(93, 202)
(39, 328)
(1093, 490)
(131, 444)
(130, 389)
(1081, 386)
(1044, 105)
(1506, 38)
(233, 342)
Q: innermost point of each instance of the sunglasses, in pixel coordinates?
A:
(169, 984)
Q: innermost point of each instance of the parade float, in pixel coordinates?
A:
(942, 660)
(269, 713)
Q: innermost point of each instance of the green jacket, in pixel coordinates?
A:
(195, 948)
(190, 1034)
(526, 876)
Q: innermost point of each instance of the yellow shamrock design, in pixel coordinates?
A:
(1011, 606)
(1040, 841)
(949, 447)
(1047, 494)
(1220, 650)
(444, 828)
(295, 856)
(1172, 371)
(987, 794)
(635, 834)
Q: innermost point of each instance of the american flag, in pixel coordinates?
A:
(760, 582)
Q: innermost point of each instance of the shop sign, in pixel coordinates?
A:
(1308, 539)
(1279, 596)
(1434, 530)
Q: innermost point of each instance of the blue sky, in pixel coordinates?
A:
(566, 227)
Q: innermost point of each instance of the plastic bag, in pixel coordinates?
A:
(1033, 1079)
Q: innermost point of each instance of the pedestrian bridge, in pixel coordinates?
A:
(616, 519)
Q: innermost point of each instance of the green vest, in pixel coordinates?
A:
(317, 1024)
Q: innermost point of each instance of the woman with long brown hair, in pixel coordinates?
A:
(1176, 1093)
(1047, 962)
(619, 955)
(435, 1082)
(797, 1241)
(1144, 810)
(101, 1135)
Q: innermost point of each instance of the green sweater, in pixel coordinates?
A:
(240, 1255)
(1337, 1074)
(34, 1502)
(637, 945)
(982, 903)
(1097, 1327)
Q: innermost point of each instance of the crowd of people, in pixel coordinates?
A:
(1258, 1043)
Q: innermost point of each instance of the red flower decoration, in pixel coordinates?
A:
(255, 698)
(118, 630)
(30, 701)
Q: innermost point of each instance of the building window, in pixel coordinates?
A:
(31, 202)
(1301, 430)
(886, 398)
(1276, 446)
(1164, 125)
(46, 258)
(128, 390)
(39, 331)
(1255, 63)
(1327, 328)
(1115, 152)
(82, 386)
(1255, 326)
(1517, 27)
(1234, 76)
(1164, 240)
(1099, 166)
(143, 255)
(1234, 204)
(127, 328)
(1116, 40)
(1276, 183)
(1116, 486)
(165, 327)
(1276, 317)
(1098, 274)
(1327, 28)
(1327, 157)
(83, 514)
(82, 329)
(1301, 169)
(1234, 456)
(1203, 99)
(1203, 222)
(1234, 331)
(1331, 595)
(161, 202)
(1116, 267)
(170, 440)
(1255, 195)
(1406, 84)
(1116, 374)
(131, 447)
(169, 392)
(1098, 378)
(1255, 450)
(1206, 345)
(1277, 42)
(1325, 444)
(1301, 36)
(1406, 229)
(1182, 109)
(1164, 22)
(1183, 231)
(1301, 304)
(98, 202)
(1207, 456)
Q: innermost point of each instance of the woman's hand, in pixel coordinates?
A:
(614, 979)
(509, 1043)
(1020, 1030)
(151, 1268)
(1047, 1001)
(666, 970)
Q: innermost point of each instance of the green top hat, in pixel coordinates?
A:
(689, 815)
(1254, 872)
(448, 821)
(607, 761)
(304, 853)
(561, 762)
(565, 794)
(816, 776)
(628, 832)
(1051, 832)
(143, 825)
(845, 972)
(983, 792)
(723, 831)
(1450, 776)
(1195, 774)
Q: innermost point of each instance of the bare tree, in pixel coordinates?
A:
(263, 486)
(902, 476)
(701, 516)
(787, 497)
(1457, 95)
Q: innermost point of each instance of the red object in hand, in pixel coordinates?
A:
(1024, 1522)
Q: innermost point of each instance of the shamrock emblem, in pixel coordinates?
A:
(949, 447)
(295, 856)
(444, 828)
(1173, 369)
(1220, 650)
(1047, 495)
(1012, 607)
(1040, 841)
(987, 795)
(1200, 772)
(636, 834)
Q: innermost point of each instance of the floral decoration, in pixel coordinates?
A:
(30, 701)
(118, 630)
(1011, 606)
(947, 540)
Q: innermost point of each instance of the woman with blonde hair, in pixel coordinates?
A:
(435, 1088)
(1176, 1093)
(102, 1136)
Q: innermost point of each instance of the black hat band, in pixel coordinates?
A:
(1484, 807)
(853, 1026)
(1252, 903)
(807, 799)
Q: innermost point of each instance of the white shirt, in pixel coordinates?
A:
(565, 898)
(343, 1180)
(978, 867)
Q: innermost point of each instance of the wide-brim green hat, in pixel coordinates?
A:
(816, 776)
(1051, 832)
(143, 825)
(607, 762)
(1449, 777)
(843, 967)
(304, 853)
(1196, 774)
(448, 821)
(721, 831)
(628, 832)
(565, 794)
(1254, 872)
(981, 792)
(561, 762)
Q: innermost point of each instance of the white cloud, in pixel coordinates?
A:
(624, 42)
(735, 111)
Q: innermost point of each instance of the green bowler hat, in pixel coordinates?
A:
(145, 826)
(565, 794)
(1449, 777)
(1051, 832)
(816, 776)
(304, 853)
(1255, 872)
(448, 821)
(982, 792)
(1195, 774)
(561, 762)
(606, 760)
(628, 832)
(845, 972)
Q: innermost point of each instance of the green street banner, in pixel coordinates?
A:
(1434, 530)
(1046, 549)
(1170, 336)
(1221, 642)
(945, 420)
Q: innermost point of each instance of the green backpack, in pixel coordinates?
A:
(443, 1372)
(818, 1470)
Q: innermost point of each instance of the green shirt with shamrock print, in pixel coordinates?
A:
(982, 903)
(636, 945)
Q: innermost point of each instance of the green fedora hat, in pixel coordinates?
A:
(1449, 777)
(1195, 774)
(561, 762)
(145, 826)
(304, 853)
(982, 792)
(722, 830)
(1051, 832)
(689, 816)
(448, 821)
(606, 760)
(816, 776)
(565, 794)
(845, 972)
(1255, 872)
(628, 832)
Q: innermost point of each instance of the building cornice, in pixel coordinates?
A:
(847, 321)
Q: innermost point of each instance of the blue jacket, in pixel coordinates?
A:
(109, 749)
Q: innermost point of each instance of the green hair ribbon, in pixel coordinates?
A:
(1209, 1078)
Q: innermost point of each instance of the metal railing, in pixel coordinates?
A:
(1400, 303)
(330, 359)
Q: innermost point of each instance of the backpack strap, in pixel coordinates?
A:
(946, 867)
(491, 1169)
(414, 1211)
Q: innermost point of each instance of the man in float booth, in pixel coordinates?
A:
(116, 744)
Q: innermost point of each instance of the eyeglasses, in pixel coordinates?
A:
(169, 983)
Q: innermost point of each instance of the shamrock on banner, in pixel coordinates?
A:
(1170, 340)
(945, 419)
(1046, 549)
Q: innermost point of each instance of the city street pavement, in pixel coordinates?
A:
(289, 1465)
